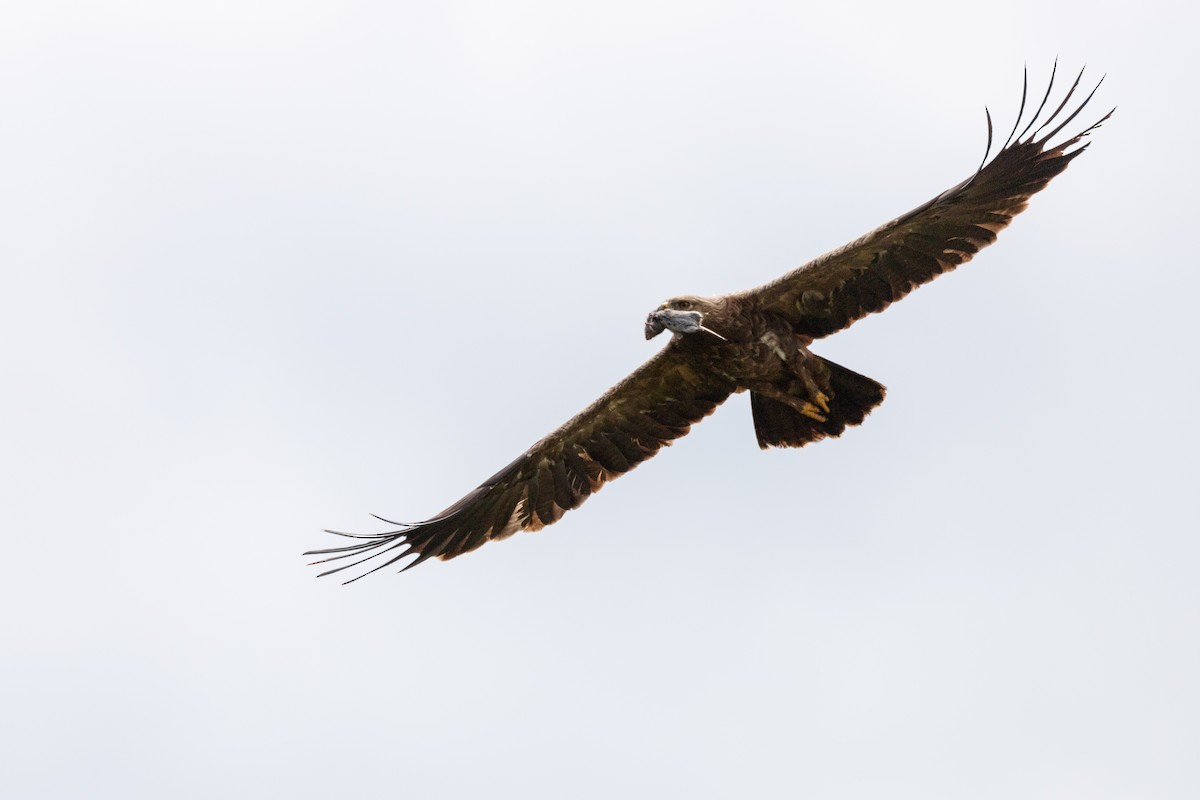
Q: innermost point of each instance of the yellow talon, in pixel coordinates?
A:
(813, 412)
(822, 400)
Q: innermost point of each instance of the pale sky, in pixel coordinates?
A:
(272, 267)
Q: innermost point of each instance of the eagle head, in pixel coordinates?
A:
(679, 315)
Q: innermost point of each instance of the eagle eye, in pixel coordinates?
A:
(682, 305)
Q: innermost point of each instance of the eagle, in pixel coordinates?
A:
(754, 341)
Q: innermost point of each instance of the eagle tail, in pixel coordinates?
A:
(779, 425)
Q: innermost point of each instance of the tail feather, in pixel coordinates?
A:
(853, 396)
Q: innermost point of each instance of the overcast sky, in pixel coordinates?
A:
(271, 267)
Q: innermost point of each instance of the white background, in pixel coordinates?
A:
(268, 267)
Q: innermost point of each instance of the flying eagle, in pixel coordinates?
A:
(755, 340)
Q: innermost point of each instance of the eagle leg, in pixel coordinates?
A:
(811, 370)
(785, 415)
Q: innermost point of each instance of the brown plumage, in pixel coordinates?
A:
(754, 341)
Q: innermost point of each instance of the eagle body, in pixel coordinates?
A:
(755, 341)
(794, 399)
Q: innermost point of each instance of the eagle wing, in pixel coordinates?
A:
(865, 276)
(658, 403)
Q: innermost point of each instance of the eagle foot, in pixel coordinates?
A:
(811, 411)
(821, 400)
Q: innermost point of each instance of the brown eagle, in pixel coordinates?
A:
(757, 341)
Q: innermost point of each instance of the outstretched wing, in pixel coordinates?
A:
(867, 275)
(629, 424)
